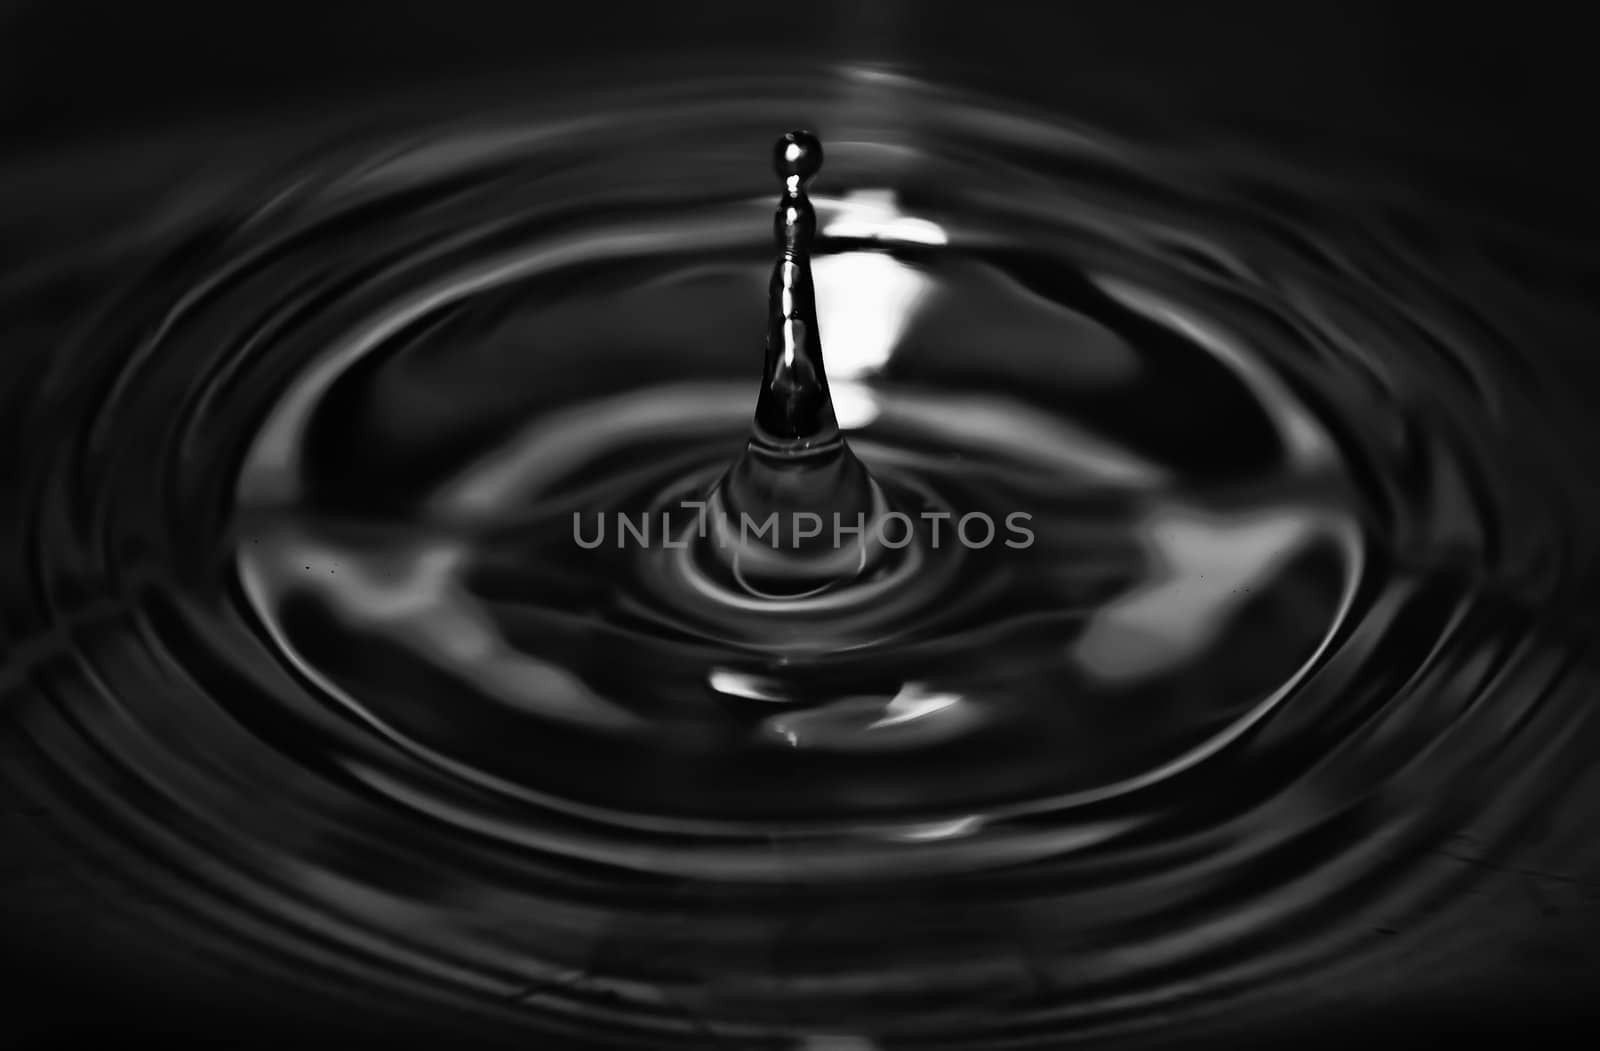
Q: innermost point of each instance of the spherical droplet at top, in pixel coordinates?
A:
(797, 156)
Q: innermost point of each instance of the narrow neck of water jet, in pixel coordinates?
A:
(797, 465)
(794, 412)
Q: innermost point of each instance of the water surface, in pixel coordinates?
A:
(312, 679)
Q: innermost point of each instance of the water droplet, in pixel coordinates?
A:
(797, 468)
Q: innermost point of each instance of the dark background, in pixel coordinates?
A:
(1491, 104)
